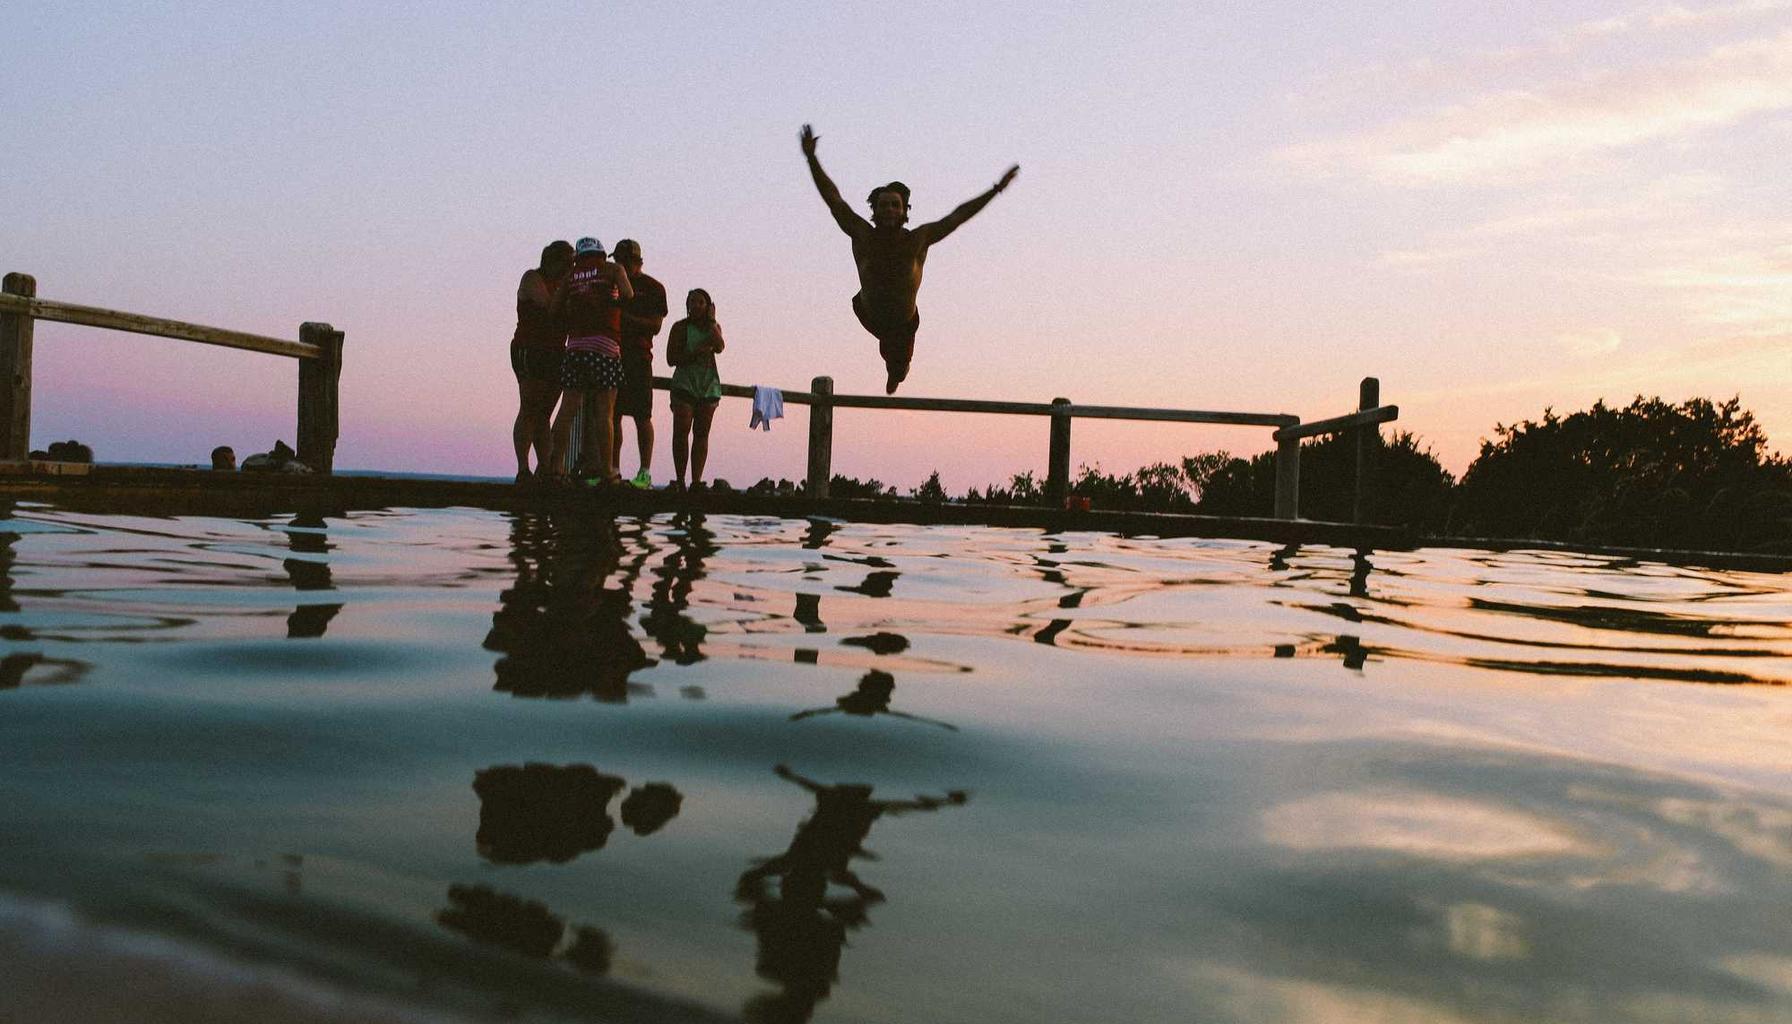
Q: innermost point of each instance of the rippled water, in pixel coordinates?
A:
(685, 768)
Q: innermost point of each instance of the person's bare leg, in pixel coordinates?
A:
(533, 422)
(681, 439)
(615, 436)
(700, 443)
(571, 401)
(523, 431)
(643, 442)
(603, 417)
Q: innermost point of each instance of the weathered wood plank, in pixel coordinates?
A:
(112, 319)
(15, 369)
(977, 405)
(319, 381)
(1379, 414)
(821, 439)
(1057, 465)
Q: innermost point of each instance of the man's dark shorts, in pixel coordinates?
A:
(537, 364)
(895, 341)
(635, 396)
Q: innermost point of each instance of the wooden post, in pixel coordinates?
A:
(1288, 478)
(15, 373)
(1057, 469)
(821, 437)
(318, 380)
(1368, 438)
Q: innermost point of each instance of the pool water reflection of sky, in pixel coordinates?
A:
(712, 768)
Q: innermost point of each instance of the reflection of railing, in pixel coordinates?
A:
(1289, 430)
(318, 350)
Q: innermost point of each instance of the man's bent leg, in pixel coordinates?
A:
(895, 341)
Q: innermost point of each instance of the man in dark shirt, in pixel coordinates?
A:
(641, 320)
(890, 257)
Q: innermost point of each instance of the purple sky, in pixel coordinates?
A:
(1216, 210)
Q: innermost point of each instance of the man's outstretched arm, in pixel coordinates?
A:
(849, 222)
(939, 229)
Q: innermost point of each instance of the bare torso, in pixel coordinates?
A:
(890, 261)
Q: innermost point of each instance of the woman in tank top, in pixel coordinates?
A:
(691, 347)
(536, 351)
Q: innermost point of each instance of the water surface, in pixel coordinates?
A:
(705, 768)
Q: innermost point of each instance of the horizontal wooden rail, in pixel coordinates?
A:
(1367, 417)
(111, 319)
(978, 405)
(318, 350)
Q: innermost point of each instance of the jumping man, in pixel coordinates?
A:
(890, 257)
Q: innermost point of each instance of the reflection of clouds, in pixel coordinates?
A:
(1481, 932)
(1762, 832)
(1418, 824)
(1768, 970)
(1252, 998)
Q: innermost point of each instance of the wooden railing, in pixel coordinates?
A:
(1289, 431)
(318, 350)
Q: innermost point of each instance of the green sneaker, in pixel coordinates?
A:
(642, 480)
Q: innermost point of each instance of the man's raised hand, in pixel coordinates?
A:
(1000, 185)
(809, 139)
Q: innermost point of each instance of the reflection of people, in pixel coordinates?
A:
(641, 320)
(523, 926)
(543, 812)
(871, 697)
(800, 929)
(680, 636)
(562, 632)
(536, 351)
(691, 347)
(648, 807)
(595, 291)
(890, 257)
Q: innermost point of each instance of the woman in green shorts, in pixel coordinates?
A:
(691, 348)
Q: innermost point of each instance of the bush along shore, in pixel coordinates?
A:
(1694, 476)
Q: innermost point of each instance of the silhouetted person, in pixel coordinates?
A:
(800, 930)
(890, 257)
(872, 697)
(537, 352)
(641, 320)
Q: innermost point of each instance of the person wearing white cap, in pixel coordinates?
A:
(595, 292)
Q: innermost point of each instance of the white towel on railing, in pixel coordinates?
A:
(768, 405)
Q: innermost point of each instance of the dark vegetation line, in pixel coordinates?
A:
(1653, 474)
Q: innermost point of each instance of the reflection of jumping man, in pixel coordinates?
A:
(871, 697)
(890, 257)
(801, 931)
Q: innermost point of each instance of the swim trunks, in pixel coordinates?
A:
(895, 341)
(586, 369)
(634, 396)
(538, 364)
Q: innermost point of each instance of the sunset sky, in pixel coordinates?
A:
(1493, 212)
